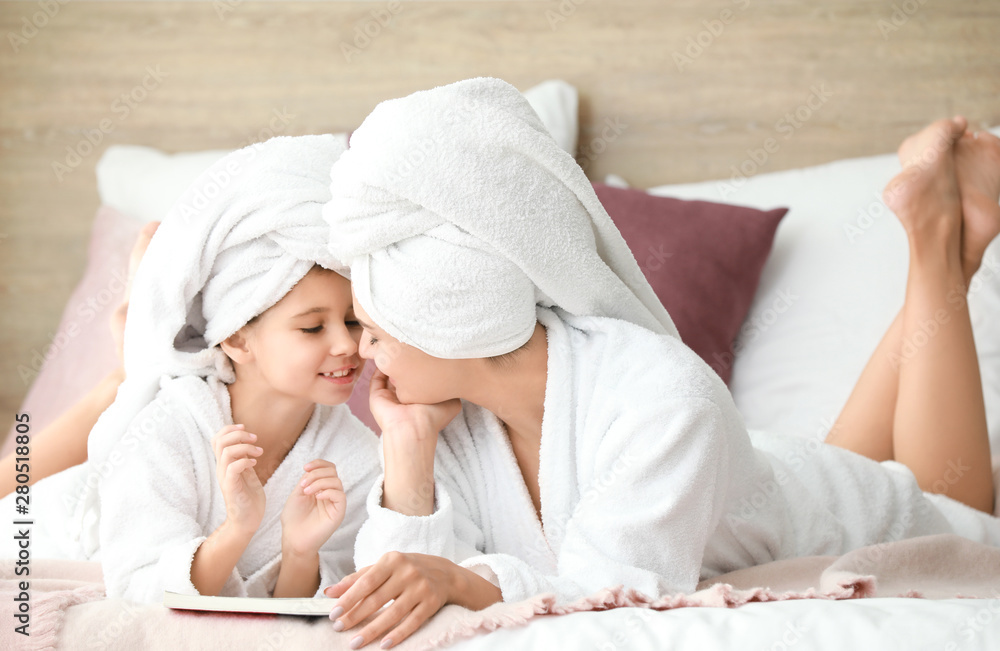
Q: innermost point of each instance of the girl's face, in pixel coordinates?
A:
(306, 345)
(418, 378)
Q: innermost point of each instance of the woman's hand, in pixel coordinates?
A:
(235, 454)
(417, 584)
(314, 510)
(394, 416)
(409, 437)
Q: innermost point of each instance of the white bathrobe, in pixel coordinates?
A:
(648, 478)
(161, 498)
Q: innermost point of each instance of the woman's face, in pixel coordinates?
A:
(418, 378)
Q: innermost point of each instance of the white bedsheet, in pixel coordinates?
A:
(855, 625)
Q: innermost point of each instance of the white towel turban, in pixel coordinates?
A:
(238, 240)
(458, 213)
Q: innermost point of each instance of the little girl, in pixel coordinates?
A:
(214, 470)
(204, 505)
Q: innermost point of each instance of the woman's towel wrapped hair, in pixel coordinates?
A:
(247, 230)
(458, 213)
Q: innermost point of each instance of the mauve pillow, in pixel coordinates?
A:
(703, 260)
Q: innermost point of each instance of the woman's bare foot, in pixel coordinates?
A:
(118, 316)
(977, 167)
(925, 194)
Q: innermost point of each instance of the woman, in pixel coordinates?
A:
(584, 445)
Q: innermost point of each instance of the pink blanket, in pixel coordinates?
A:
(69, 611)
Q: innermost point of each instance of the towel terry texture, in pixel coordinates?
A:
(458, 212)
(650, 481)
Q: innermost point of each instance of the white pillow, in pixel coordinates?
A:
(144, 182)
(832, 285)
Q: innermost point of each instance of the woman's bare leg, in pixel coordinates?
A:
(865, 424)
(63, 443)
(948, 205)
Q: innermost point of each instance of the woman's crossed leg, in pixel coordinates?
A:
(919, 399)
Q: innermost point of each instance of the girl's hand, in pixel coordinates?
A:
(314, 510)
(235, 460)
(418, 586)
(393, 416)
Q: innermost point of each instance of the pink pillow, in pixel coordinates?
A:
(703, 260)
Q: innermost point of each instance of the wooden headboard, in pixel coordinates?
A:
(693, 88)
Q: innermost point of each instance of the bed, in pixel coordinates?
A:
(829, 287)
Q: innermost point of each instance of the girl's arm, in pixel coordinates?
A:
(298, 576)
(216, 557)
(150, 530)
(312, 514)
(64, 442)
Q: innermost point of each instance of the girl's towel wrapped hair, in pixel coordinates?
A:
(237, 240)
(458, 213)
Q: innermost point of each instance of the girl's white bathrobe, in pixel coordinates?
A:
(648, 478)
(161, 497)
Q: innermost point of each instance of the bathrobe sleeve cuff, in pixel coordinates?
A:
(519, 581)
(386, 530)
(175, 565)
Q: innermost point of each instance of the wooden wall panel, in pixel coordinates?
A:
(227, 66)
